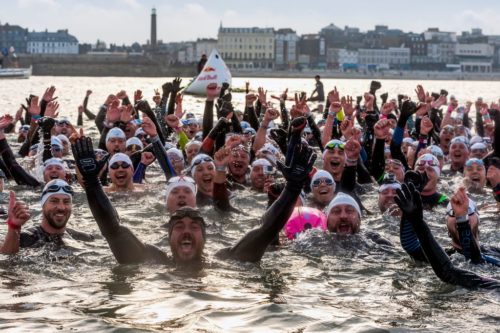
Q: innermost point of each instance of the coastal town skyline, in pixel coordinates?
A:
(92, 20)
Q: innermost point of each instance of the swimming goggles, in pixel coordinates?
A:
(326, 181)
(116, 165)
(471, 161)
(431, 163)
(55, 188)
(335, 144)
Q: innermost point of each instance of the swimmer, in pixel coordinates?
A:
(186, 227)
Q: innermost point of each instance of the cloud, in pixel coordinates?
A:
(36, 3)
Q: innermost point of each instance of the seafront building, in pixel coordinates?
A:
(247, 48)
(59, 42)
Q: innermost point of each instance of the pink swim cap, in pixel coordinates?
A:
(304, 218)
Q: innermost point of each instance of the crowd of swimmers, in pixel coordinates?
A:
(311, 163)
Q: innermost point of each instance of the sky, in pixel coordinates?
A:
(128, 21)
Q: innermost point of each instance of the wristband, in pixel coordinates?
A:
(331, 113)
(462, 218)
(349, 161)
(221, 168)
(264, 126)
(12, 225)
(36, 117)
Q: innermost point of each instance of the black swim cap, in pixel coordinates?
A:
(186, 211)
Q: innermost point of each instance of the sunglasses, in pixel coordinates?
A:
(116, 165)
(333, 145)
(141, 136)
(55, 188)
(326, 181)
(56, 149)
(201, 160)
(431, 163)
(479, 150)
(448, 129)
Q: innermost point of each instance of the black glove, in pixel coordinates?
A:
(167, 88)
(359, 99)
(407, 110)
(300, 166)
(374, 86)
(143, 106)
(85, 160)
(384, 97)
(46, 124)
(409, 201)
(279, 135)
(176, 85)
(225, 109)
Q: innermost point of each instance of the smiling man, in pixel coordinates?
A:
(57, 204)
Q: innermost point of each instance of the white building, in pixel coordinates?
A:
(247, 48)
(390, 58)
(286, 48)
(205, 46)
(60, 42)
(186, 55)
(475, 57)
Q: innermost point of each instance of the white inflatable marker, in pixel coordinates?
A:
(214, 71)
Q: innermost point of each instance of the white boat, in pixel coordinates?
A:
(214, 71)
(15, 73)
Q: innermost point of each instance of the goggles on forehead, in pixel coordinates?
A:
(472, 161)
(335, 144)
(395, 162)
(55, 188)
(201, 160)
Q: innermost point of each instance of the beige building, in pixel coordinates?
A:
(247, 48)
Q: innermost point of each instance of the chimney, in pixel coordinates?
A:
(153, 29)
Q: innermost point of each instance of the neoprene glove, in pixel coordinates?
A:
(46, 124)
(85, 159)
(410, 202)
(301, 164)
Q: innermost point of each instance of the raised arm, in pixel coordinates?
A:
(253, 245)
(410, 202)
(126, 247)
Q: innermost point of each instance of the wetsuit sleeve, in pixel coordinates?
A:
(378, 160)
(162, 158)
(409, 240)
(348, 179)
(252, 117)
(139, 173)
(126, 247)
(442, 265)
(101, 116)
(18, 173)
(208, 118)
(470, 247)
(479, 123)
(395, 147)
(315, 131)
(79, 119)
(221, 197)
(87, 112)
(252, 246)
(496, 139)
(285, 118)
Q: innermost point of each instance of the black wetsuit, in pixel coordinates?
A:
(419, 243)
(36, 237)
(128, 249)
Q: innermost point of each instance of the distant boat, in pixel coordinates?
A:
(214, 71)
(15, 73)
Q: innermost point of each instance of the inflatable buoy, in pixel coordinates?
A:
(304, 218)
